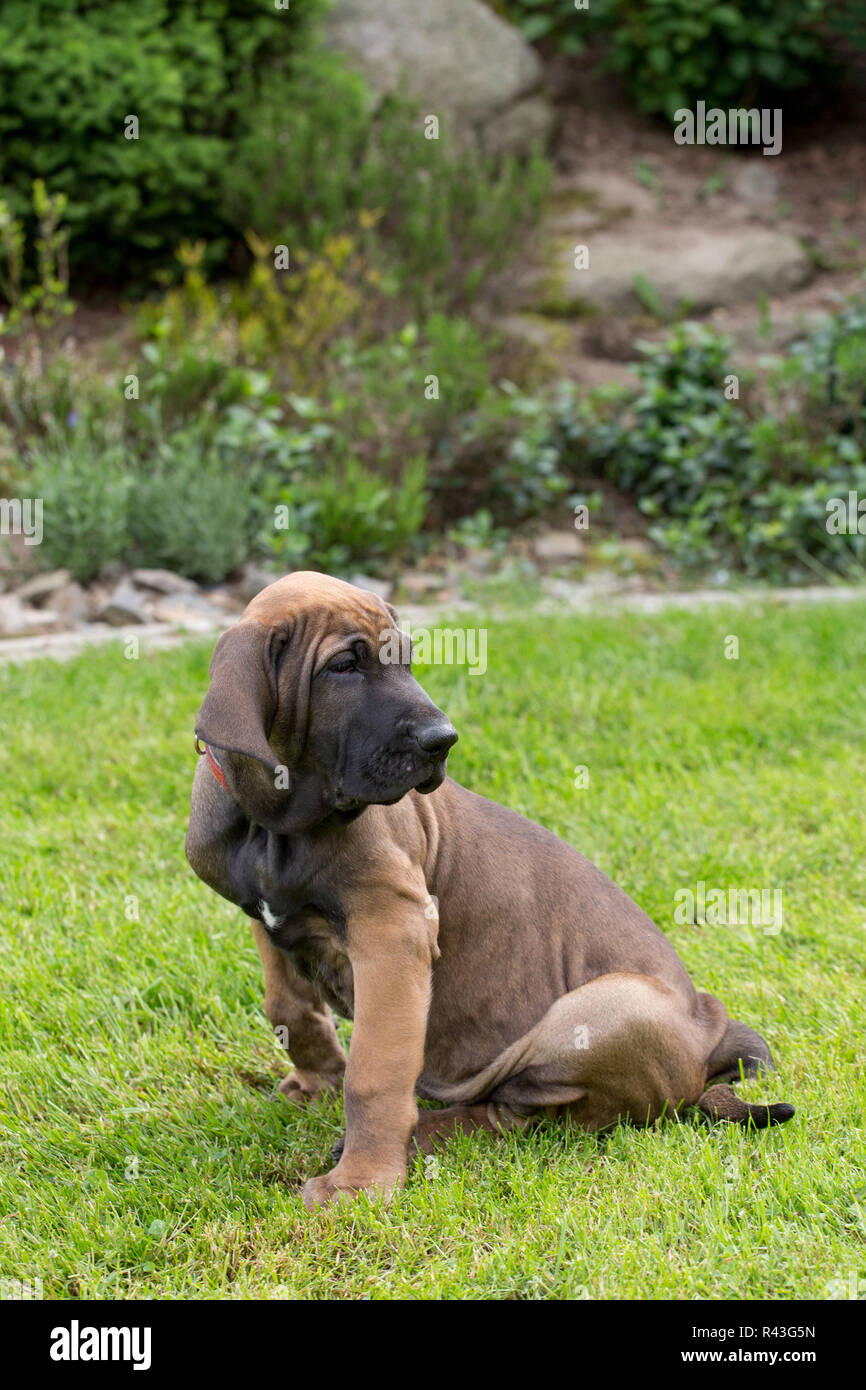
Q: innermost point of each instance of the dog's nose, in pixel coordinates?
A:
(436, 739)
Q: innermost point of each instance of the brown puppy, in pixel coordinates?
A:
(485, 962)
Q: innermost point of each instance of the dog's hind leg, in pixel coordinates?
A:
(741, 1053)
(622, 1047)
(437, 1125)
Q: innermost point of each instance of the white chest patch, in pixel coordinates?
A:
(266, 915)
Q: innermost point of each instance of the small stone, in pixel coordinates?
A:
(567, 591)
(19, 620)
(558, 547)
(70, 603)
(124, 606)
(163, 581)
(383, 588)
(190, 611)
(97, 596)
(756, 182)
(253, 579)
(113, 572)
(229, 600)
(419, 582)
(660, 268)
(42, 586)
(480, 560)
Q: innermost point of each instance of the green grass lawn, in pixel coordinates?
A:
(143, 1151)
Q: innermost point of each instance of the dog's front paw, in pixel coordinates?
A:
(305, 1087)
(338, 1186)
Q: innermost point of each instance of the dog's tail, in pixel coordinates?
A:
(722, 1103)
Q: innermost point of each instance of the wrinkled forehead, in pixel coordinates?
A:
(334, 625)
(326, 609)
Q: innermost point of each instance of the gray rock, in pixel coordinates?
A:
(229, 600)
(253, 579)
(525, 125)
(558, 547)
(17, 619)
(193, 612)
(97, 596)
(71, 604)
(756, 182)
(596, 199)
(382, 587)
(125, 606)
(420, 582)
(41, 587)
(697, 265)
(458, 59)
(113, 572)
(163, 581)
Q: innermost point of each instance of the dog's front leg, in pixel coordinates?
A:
(391, 961)
(302, 1021)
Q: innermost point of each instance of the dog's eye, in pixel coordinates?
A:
(346, 662)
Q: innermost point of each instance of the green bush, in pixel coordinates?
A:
(558, 22)
(192, 511)
(435, 225)
(733, 486)
(72, 71)
(673, 53)
(406, 392)
(347, 516)
(85, 490)
(724, 52)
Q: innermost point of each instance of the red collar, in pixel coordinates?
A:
(213, 762)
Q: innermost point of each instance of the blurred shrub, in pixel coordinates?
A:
(508, 458)
(283, 319)
(558, 22)
(183, 508)
(85, 490)
(347, 515)
(725, 52)
(405, 393)
(674, 53)
(45, 300)
(190, 475)
(726, 487)
(192, 510)
(73, 71)
(436, 224)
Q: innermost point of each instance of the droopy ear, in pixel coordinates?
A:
(241, 703)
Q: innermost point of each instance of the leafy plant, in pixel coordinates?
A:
(284, 318)
(186, 73)
(348, 515)
(725, 52)
(192, 513)
(564, 23)
(435, 224)
(85, 491)
(45, 299)
(733, 487)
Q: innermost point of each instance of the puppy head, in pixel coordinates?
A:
(314, 707)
